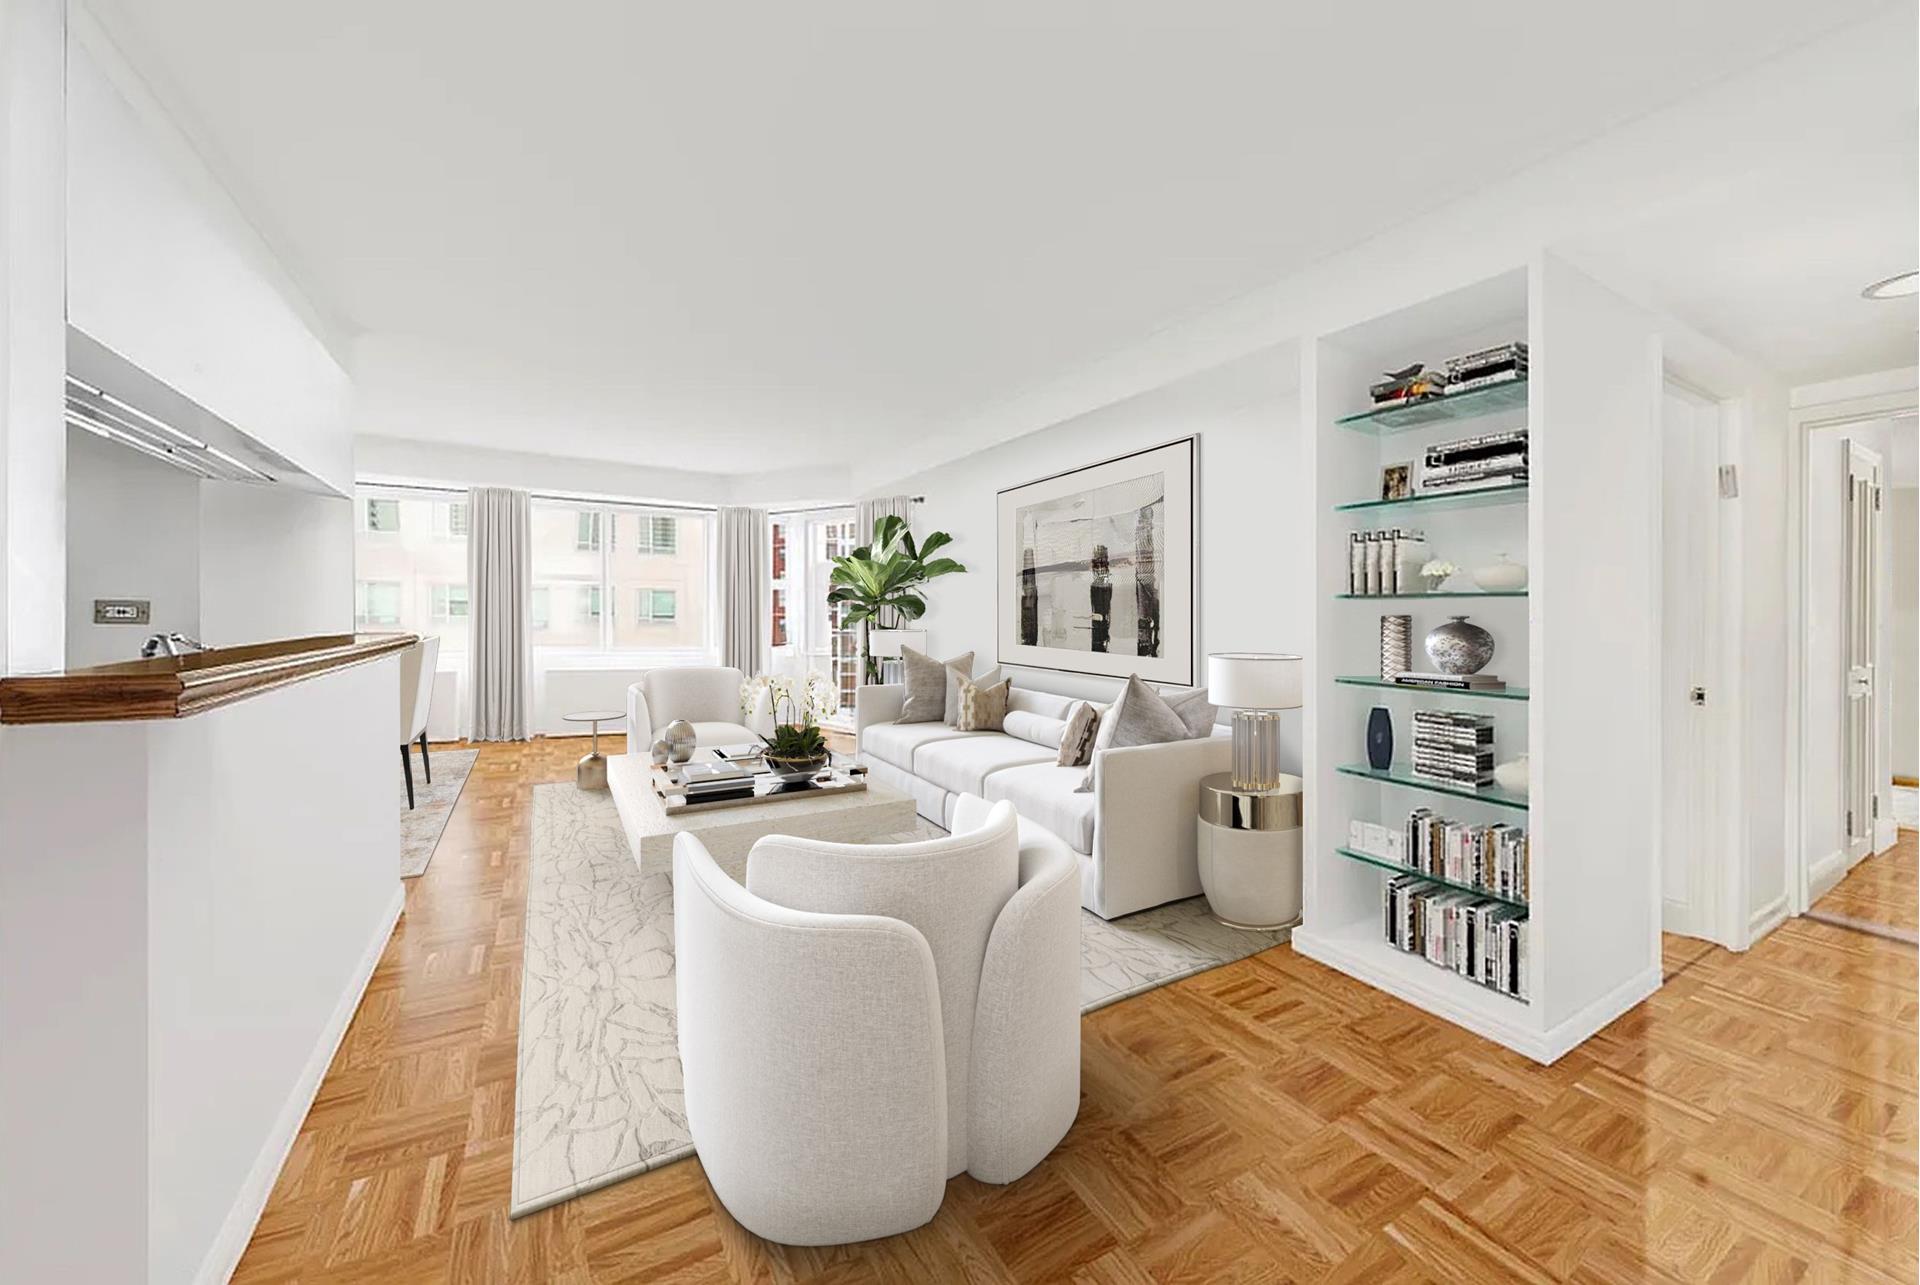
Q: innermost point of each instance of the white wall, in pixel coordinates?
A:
(274, 563)
(133, 531)
(32, 336)
(1903, 610)
(164, 270)
(1252, 525)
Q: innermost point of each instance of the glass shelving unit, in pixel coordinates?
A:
(1402, 774)
(1439, 410)
(1387, 684)
(1444, 593)
(1395, 867)
(1441, 500)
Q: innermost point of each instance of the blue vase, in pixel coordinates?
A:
(1380, 739)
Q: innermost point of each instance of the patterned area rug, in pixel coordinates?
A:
(421, 824)
(598, 1094)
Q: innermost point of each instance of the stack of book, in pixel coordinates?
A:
(1501, 364)
(712, 782)
(1483, 940)
(1480, 463)
(1490, 858)
(1415, 383)
(1450, 682)
(1453, 748)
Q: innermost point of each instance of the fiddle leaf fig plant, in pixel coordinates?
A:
(881, 582)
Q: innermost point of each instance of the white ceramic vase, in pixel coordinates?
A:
(1502, 576)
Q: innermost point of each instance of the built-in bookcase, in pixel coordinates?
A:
(1577, 648)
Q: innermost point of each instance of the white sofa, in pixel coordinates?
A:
(708, 696)
(1134, 834)
(862, 1022)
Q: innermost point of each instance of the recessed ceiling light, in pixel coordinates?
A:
(1893, 287)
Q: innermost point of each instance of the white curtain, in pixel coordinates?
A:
(500, 576)
(745, 543)
(880, 506)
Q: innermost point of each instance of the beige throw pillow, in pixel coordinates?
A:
(927, 682)
(1139, 716)
(1076, 747)
(1195, 710)
(983, 707)
(960, 670)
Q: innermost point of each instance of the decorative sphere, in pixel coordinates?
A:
(1458, 647)
(679, 738)
(659, 752)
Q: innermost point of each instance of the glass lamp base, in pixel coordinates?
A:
(1256, 749)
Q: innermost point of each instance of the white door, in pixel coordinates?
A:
(1860, 654)
(1690, 427)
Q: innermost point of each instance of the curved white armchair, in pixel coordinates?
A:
(416, 702)
(998, 904)
(708, 696)
(811, 1051)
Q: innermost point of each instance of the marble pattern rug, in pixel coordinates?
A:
(422, 824)
(598, 1094)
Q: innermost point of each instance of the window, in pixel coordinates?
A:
(376, 604)
(659, 535)
(805, 626)
(380, 514)
(450, 520)
(589, 537)
(656, 604)
(449, 603)
(598, 588)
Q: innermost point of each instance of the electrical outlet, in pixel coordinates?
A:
(122, 611)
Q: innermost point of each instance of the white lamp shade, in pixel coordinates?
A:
(886, 643)
(1254, 680)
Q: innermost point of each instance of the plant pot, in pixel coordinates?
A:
(795, 769)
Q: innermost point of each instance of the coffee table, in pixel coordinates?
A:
(867, 816)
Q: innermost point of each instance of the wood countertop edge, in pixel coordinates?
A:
(170, 688)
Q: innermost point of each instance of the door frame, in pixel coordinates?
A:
(1710, 887)
(1801, 421)
(1858, 850)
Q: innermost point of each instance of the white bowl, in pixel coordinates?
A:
(1501, 577)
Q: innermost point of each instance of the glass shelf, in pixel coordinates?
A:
(1394, 866)
(1439, 410)
(1444, 593)
(1496, 694)
(1401, 774)
(1443, 500)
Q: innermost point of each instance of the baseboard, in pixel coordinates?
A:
(1824, 873)
(224, 1254)
(1767, 918)
(1886, 833)
(1574, 1031)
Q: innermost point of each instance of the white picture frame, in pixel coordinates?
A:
(1051, 619)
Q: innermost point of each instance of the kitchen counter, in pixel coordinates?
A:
(179, 686)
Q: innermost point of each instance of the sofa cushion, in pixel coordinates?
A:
(1140, 716)
(1044, 793)
(927, 681)
(1038, 728)
(1029, 701)
(1194, 709)
(961, 671)
(895, 743)
(966, 764)
(983, 706)
(1076, 736)
(706, 735)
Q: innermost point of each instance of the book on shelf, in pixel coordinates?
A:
(1481, 940)
(1489, 858)
(1450, 682)
(1469, 383)
(1494, 482)
(1507, 354)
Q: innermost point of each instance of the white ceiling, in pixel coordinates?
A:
(698, 237)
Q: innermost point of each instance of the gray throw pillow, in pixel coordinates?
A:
(1076, 745)
(960, 670)
(1140, 716)
(1195, 710)
(927, 684)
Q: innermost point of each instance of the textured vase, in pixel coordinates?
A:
(1380, 739)
(1460, 648)
(679, 737)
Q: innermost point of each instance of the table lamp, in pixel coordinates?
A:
(1256, 686)
(885, 644)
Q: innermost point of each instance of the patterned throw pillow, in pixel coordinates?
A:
(927, 681)
(960, 670)
(1076, 747)
(983, 707)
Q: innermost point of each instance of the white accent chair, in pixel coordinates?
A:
(708, 696)
(862, 1022)
(416, 702)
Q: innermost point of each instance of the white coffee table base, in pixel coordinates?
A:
(868, 816)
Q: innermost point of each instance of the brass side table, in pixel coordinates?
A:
(591, 773)
(1250, 852)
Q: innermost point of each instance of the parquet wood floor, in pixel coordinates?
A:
(1882, 889)
(1270, 1121)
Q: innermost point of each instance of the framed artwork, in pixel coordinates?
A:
(1396, 481)
(1096, 568)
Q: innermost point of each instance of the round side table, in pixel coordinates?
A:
(591, 774)
(1250, 852)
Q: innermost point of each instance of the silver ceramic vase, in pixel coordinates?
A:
(679, 738)
(1459, 648)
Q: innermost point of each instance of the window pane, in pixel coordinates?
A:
(411, 565)
(383, 515)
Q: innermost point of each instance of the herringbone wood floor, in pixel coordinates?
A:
(1268, 1121)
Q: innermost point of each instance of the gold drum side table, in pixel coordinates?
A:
(1249, 848)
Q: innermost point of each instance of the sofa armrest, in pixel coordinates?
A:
(639, 721)
(1146, 799)
(877, 703)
